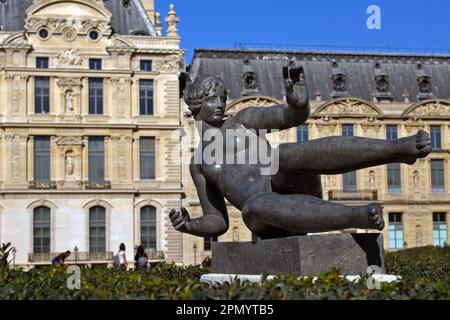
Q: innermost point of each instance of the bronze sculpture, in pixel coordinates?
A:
(288, 202)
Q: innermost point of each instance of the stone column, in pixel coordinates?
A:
(85, 97)
(16, 149)
(136, 159)
(85, 159)
(30, 169)
(109, 159)
(31, 103)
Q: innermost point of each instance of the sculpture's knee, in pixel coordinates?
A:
(252, 211)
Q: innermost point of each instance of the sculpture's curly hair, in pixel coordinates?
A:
(199, 88)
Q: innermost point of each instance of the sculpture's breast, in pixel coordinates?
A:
(213, 173)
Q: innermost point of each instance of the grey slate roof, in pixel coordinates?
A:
(358, 68)
(125, 21)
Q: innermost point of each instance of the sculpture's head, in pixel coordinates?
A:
(206, 97)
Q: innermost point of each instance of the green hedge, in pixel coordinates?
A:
(425, 273)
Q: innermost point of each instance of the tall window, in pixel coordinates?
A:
(349, 182)
(146, 65)
(41, 159)
(394, 178)
(396, 230)
(147, 158)
(393, 169)
(42, 95)
(41, 230)
(207, 244)
(146, 97)
(437, 176)
(95, 64)
(95, 96)
(391, 132)
(347, 130)
(435, 133)
(96, 159)
(148, 228)
(439, 228)
(349, 179)
(97, 229)
(303, 133)
(42, 63)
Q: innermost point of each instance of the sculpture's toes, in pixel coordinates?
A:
(376, 216)
(423, 144)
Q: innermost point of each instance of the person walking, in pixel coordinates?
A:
(121, 258)
(141, 258)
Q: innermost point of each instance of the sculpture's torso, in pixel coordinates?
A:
(236, 180)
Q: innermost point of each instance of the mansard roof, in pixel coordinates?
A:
(368, 76)
(128, 16)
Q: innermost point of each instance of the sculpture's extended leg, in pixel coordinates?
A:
(336, 155)
(271, 215)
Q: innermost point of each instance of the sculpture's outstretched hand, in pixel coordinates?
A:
(180, 220)
(296, 89)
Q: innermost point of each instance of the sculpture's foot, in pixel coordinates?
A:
(415, 147)
(376, 216)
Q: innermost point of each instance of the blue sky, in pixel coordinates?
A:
(222, 24)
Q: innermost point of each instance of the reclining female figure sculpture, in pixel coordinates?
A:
(286, 203)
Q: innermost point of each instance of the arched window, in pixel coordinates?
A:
(41, 230)
(148, 228)
(97, 229)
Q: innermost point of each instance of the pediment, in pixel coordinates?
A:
(348, 106)
(440, 108)
(69, 82)
(69, 8)
(70, 141)
(251, 101)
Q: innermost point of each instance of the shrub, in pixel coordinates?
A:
(426, 278)
(425, 262)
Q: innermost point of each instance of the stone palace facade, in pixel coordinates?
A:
(89, 129)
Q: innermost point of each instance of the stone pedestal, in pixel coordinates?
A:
(304, 255)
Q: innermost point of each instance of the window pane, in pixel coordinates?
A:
(147, 158)
(437, 176)
(41, 230)
(148, 228)
(146, 97)
(95, 64)
(396, 236)
(41, 95)
(394, 178)
(41, 159)
(97, 229)
(435, 134)
(347, 130)
(303, 133)
(96, 159)
(349, 182)
(146, 65)
(96, 96)
(391, 132)
(207, 244)
(42, 63)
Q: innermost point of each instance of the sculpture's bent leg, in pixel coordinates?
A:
(271, 215)
(337, 155)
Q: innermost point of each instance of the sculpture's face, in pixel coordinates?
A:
(213, 109)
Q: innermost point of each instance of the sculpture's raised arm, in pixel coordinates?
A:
(284, 116)
(215, 216)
